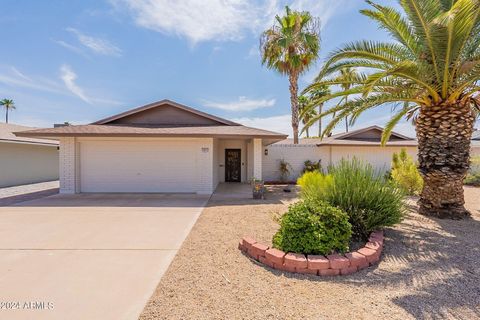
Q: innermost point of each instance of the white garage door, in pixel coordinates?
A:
(138, 166)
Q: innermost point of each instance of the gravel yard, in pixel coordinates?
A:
(430, 269)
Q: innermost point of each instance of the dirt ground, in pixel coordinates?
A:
(430, 269)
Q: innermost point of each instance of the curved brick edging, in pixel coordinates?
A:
(331, 265)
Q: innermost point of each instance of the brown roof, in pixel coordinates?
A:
(162, 103)
(368, 136)
(7, 135)
(149, 121)
(92, 130)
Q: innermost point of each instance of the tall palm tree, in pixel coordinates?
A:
(348, 74)
(305, 113)
(8, 104)
(290, 47)
(431, 72)
(315, 95)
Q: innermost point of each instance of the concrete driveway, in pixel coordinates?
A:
(89, 256)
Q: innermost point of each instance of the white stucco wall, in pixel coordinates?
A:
(379, 157)
(257, 159)
(27, 163)
(215, 164)
(296, 155)
(68, 163)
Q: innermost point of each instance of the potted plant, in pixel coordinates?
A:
(258, 189)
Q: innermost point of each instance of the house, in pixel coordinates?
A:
(160, 147)
(25, 160)
(364, 144)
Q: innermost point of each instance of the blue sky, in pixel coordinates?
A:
(80, 61)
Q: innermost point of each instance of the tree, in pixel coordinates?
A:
(430, 74)
(8, 104)
(348, 75)
(317, 94)
(290, 47)
(305, 113)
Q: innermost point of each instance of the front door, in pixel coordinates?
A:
(233, 168)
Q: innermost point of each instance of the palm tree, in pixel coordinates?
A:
(317, 94)
(8, 104)
(290, 47)
(348, 74)
(430, 74)
(305, 113)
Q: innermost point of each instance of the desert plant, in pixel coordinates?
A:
(313, 227)
(473, 176)
(309, 166)
(314, 185)
(405, 173)
(430, 73)
(290, 47)
(371, 201)
(284, 169)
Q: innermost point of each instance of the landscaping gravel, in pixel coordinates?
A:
(430, 269)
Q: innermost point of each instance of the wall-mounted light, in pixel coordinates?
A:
(266, 152)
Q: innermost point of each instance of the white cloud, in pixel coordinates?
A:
(97, 45)
(12, 77)
(242, 104)
(70, 47)
(280, 123)
(68, 77)
(218, 20)
(199, 20)
(325, 9)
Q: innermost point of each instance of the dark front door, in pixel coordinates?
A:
(233, 166)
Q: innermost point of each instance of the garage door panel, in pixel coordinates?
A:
(128, 166)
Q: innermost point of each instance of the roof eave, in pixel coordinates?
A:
(133, 135)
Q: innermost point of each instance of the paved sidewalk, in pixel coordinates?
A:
(11, 195)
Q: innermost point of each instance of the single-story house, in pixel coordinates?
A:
(160, 147)
(25, 160)
(364, 144)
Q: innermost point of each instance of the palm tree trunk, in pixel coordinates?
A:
(306, 131)
(320, 107)
(293, 78)
(346, 118)
(6, 115)
(444, 134)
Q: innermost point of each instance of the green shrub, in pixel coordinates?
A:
(405, 173)
(473, 175)
(370, 200)
(313, 227)
(314, 185)
(310, 166)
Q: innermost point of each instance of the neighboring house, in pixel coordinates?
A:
(363, 144)
(160, 147)
(26, 160)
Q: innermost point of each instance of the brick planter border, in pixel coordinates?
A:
(331, 265)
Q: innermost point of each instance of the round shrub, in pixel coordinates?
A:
(313, 227)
